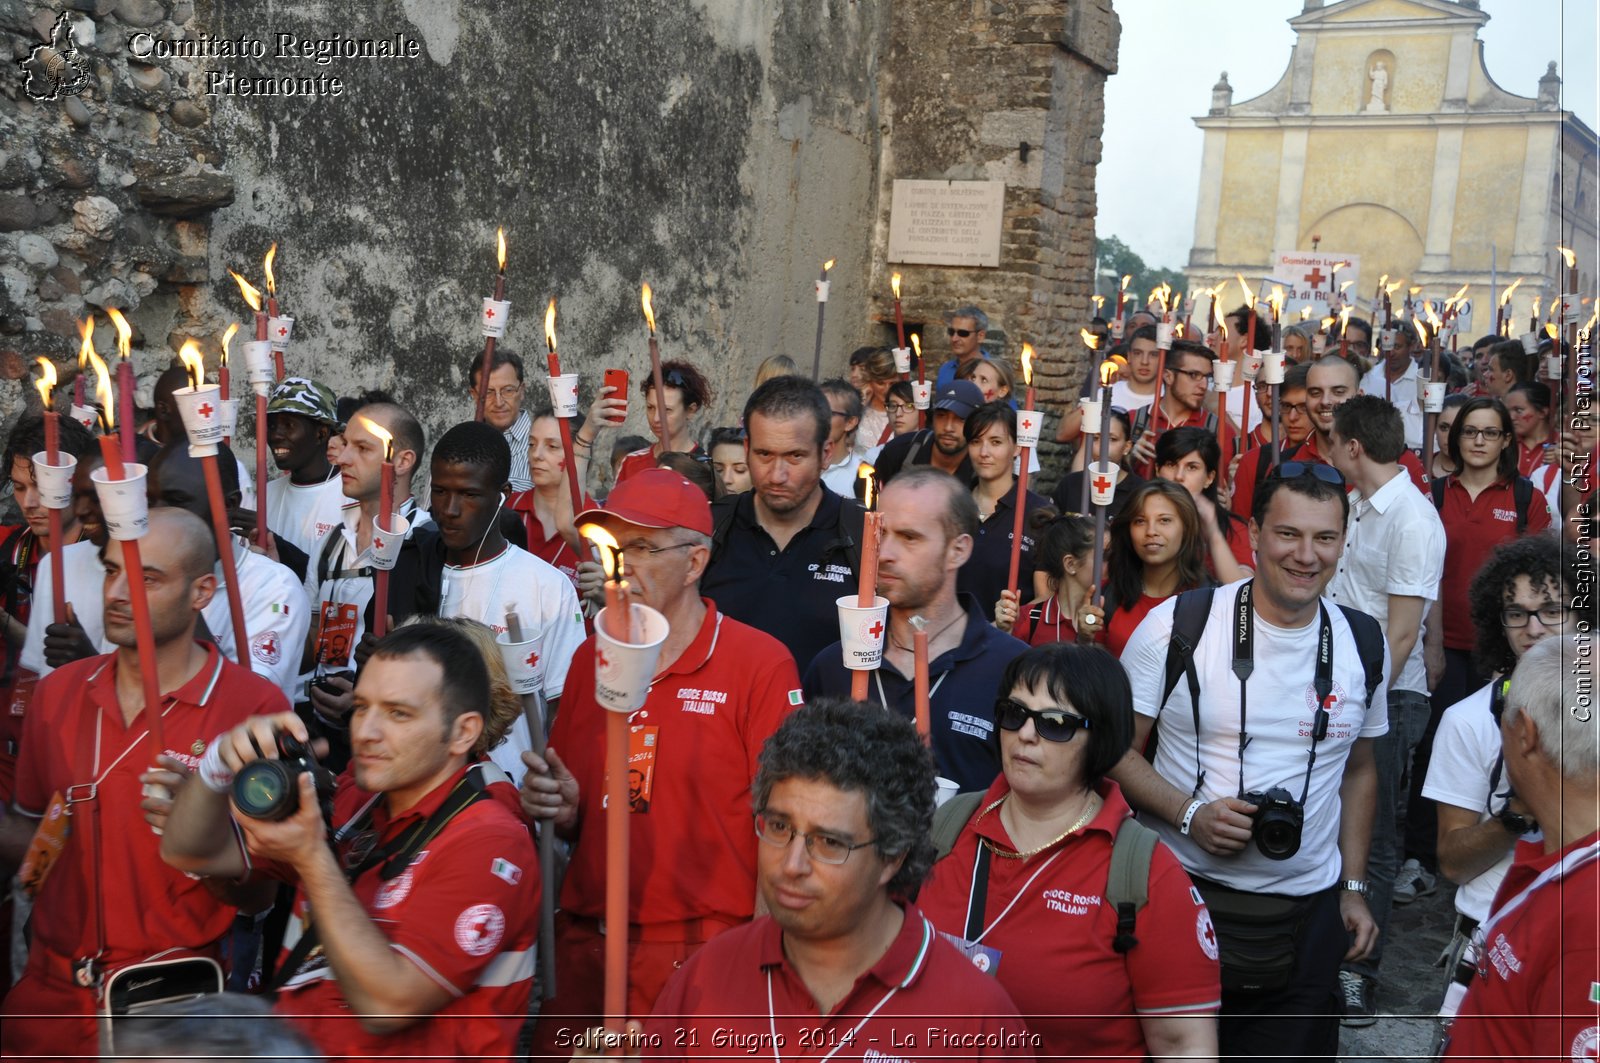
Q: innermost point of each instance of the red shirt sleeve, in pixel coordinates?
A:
(1175, 966)
(1244, 484)
(774, 693)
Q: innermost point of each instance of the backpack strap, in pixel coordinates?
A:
(949, 819)
(1437, 487)
(852, 530)
(1128, 882)
(1369, 646)
(1522, 495)
(1189, 615)
(721, 523)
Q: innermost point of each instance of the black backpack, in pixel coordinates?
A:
(1141, 422)
(1521, 494)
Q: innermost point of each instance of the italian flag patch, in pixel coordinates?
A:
(796, 698)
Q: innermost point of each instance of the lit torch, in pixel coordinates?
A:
(492, 330)
(822, 310)
(867, 580)
(1027, 431)
(125, 382)
(86, 331)
(564, 420)
(52, 457)
(646, 302)
(199, 406)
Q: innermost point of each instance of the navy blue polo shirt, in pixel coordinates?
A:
(963, 685)
(790, 594)
(984, 574)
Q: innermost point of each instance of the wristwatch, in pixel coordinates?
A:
(1355, 885)
(1515, 822)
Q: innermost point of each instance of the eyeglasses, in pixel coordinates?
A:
(1489, 435)
(1550, 615)
(1053, 725)
(637, 552)
(779, 832)
(1192, 374)
(1296, 408)
(895, 409)
(1293, 470)
(962, 332)
(508, 393)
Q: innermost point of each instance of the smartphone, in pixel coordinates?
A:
(618, 379)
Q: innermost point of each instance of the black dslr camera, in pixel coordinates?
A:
(270, 789)
(1278, 819)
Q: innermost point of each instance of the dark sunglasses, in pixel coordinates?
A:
(1293, 470)
(962, 332)
(1053, 725)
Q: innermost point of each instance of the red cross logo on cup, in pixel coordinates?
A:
(282, 331)
(378, 543)
(489, 313)
(532, 660)
(600, 658)
(876, 630)
(205, 410)
(1028, 423)
(1101, 483)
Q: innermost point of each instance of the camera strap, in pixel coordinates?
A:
(1244, 665)
(395, 857)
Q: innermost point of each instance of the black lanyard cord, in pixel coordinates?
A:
(1244, 665)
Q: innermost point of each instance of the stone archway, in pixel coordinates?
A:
(1384, 238)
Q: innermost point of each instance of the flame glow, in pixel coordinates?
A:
(1536, 306)
(610, 552)
(894, 285)
(1345, 285)
(227, 338)
(649, 314)
(916, 345)
(378, 431)
(1505, 296)
(1383, 280)
(86, 330)
(102, 390)
(47, 381)
(1090, 339)
(1277, 300)
(1394, 287)
(124, 332)
(550, 324)
(1305, 313)
(1414, 292)
(1127, 278)
(1569, 256)
(869, 489)
(193, 364)
(266, 267)
(1433, 318)
(1592, 319)
(1027, 363)
(1460, 295)
(500, 249)
(826, 266)
(1107, 369)
(1249, 296)
(1550, 330)
(1422, 330)
(1099, 301)
(251, 294)
(1222, 322)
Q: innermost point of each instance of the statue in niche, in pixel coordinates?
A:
(1380, 86)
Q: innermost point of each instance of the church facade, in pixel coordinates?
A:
(1386, 137)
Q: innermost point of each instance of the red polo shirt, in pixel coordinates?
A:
(640, 460)
(1046, 623)
(1473, 527)
(147, 906)
(1244, 482)
(1227, 435)
(552, 549)
(692, 844)
(1536, 995)
(1530, 458)
(922, 1000)
(1059, 932)
(465, 911)
(1120, 625)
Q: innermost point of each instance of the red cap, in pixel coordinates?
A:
(655, 498)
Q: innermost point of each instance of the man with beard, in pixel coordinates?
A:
(944, 446)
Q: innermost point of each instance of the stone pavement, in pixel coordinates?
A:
(1408, 997)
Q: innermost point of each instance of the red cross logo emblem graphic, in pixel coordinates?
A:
(489, 313)
(1101, 483)
(600, 658)
(270, 646)
(1315, 277)
(1027, 423)
(377, 543)
(532, 660)
(876, 630)
(206, 410)
(282, 331)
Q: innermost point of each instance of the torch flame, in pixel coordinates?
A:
(86, 330)
(1337, 266)
(869, 489)
(1090, 339)
(1249, 296)
(1433, 318)
(266, 266)
(1027, 363)
(1305, 313)
(649, 314)
(610, 552)
(1422, 331)
(1567, 253)
(248, 290)
(1505, 296)
(1127, 278)
(1536, 306)
(1550, 330)
(47, 381)
(1099, 301)
(124, 332)
(1277, 300)
(1108, 368)
(1345, 284)
(1392, 288)
(500, 249)
(1461, 295)
(227, 338)
(1344, 317)
(826, 266)
(1414, 292)
(1383, 280)
(894, 283)
(102, 389)
(378, 430)
(1222, 321)
(1328, 323)
(1587, 325)
(550, 324)
(916, 345)
(193, 364)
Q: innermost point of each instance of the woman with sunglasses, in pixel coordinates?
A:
(1014, 884)
(991, 432)
(1479, 508)
(1189, 456)
(1157, 549)
(687, 393)
(1062, 579)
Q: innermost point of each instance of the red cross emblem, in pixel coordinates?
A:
(1315, 277)
(600, 658)
(377, 543)
(532, 660)
(205, 410)
(876, 630)
(489, 312)
(270, 646)
(282, 331)
(1101, 483)
(1211, 936)
(1027, 423)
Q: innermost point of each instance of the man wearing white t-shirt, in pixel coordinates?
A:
(1138, 386)
(302, 506)
(1300, 722)
(484, 577)
(1521, 595)
(1394, 379)
(1393, 560)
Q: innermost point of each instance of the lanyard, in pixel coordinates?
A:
(1567, 864)
(1244, 664)
(849, 1038)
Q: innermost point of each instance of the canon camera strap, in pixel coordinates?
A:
(1244, 664)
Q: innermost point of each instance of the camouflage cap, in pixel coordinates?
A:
(306, 397)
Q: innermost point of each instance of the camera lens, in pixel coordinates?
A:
(1278, 836)
(267, 789)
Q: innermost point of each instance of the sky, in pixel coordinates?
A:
(1148, 198)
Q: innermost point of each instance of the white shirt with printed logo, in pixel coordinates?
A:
(277, 617)
(1280, 705)
(302, 514)
(86, 578)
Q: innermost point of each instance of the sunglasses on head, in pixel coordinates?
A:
(1052, 725)
(962, 332)
(1293, 470)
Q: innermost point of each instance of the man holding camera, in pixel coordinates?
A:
(417, 913)
(1263, 781)
(108, 901)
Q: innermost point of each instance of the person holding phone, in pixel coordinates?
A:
(686, 394)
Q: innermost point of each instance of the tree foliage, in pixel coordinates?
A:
(1114, 255)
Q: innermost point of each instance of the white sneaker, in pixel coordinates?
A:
(1412, 882)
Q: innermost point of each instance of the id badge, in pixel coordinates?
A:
(22, 691)
(47, 845)
(982, 957)
(642, 747)
(336, 633)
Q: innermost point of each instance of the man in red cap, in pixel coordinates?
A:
(720, 689)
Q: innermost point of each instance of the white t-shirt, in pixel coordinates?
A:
(1123, 397)
(1464, 751)
(543, 598)
(1280, 708)
(841, 475)
(1402, 396)
(277, 617)
(302, 514)
(86, 578)
(1229, 404)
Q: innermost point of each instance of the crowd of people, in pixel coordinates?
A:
(1172, 784)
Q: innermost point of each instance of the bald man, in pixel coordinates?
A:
(116, 900)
